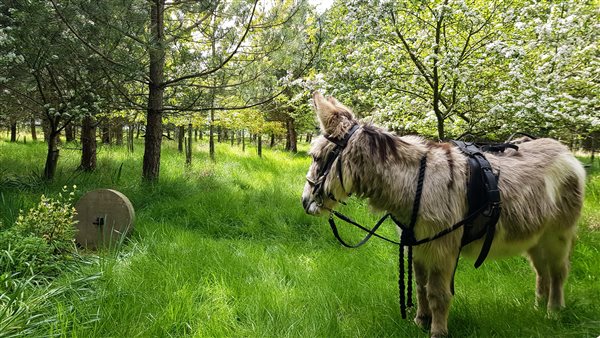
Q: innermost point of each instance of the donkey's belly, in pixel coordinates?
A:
(501, 247)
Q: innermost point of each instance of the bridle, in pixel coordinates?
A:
(318, 184)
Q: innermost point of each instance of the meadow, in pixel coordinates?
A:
(224, 249)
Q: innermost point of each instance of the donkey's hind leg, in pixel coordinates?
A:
(542, 278)
(550, 257)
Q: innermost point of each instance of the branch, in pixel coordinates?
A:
(87, 44)
(412, 56)
(224, 62)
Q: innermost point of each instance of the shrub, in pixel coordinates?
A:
(52, 220)
(40, 238)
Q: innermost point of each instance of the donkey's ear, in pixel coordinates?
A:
(333, 116)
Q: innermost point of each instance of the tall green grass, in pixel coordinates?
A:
(225, 249)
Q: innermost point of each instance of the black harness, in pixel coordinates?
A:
(484, 208)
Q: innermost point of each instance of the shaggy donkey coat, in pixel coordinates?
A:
(541, 187)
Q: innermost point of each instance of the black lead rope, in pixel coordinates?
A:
(407, 238)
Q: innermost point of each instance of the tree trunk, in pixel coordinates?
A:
(272, 142)
(52, 156)
(153, 140)
(292, 136)
(232, 139)
(88, 144)
(211, 137)
(259, 146)
(105, 132)
(130, 138)
(180, 136)
(219, 134)
(46, 129)
(188, 150)
(244, 140)
(69, 133)
(33, 130)
(13, 131)
(308, 137)
(196, 134)
(118, 131)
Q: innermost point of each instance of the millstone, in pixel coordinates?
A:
(105, 218)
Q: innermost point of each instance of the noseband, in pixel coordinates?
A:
(336, 154)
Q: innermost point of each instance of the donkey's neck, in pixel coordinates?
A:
(383, 168)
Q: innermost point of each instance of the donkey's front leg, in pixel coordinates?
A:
(439, 296)
(423, 317)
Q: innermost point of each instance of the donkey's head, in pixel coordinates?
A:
(325, 181)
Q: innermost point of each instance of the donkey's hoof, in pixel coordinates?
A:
(424, 322)
(439, 335)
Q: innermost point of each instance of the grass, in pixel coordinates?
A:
(225, 249)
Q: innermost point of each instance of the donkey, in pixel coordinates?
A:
(541, 188)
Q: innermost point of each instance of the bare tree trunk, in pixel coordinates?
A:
(272, 142)
(130, 138)
(219, 134)
(88, 144)
(153, 140)
(292, 136)
(211, 137)
(105, 130)
(46, 129)
(69, 133)
(188, 150)
(52, 156)
(259, 146)
(232, 139)
(243, 140)
(118, 131)
(33, 130)
(180, 136)
(13, 131)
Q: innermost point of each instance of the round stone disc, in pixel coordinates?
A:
(105, 218)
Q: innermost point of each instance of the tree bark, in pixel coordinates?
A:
(88, 144)
(33, 130)
(118, 131)
(153, 140)
(180, 136)
(105, 132)
(69, 133)
(46, 129)
(259, 146)
(130, 138)
(272, 142)
(292, 136)
(51, 156)
(188, 150)
(243, 140)
(13, 131)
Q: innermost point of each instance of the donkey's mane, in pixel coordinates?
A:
(382, 142)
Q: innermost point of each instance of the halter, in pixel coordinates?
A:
(336, 154)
